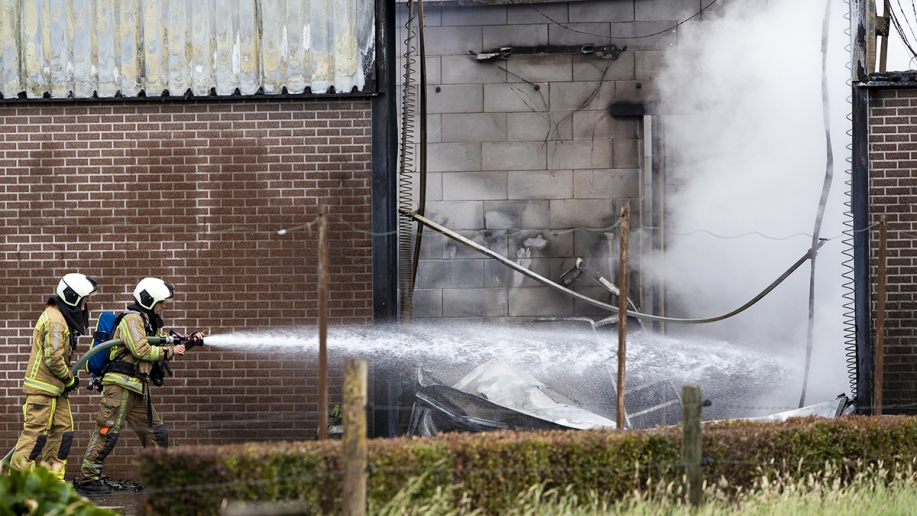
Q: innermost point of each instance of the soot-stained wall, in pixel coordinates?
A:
(193, 192)
(524, 155)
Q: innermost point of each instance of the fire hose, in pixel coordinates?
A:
(189, 343)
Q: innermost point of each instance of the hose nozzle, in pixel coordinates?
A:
(189, 341)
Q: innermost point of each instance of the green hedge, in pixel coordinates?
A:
(491, 469)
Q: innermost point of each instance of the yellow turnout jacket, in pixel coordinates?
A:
(49, 360)
(132, 332)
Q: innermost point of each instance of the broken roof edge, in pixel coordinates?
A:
(903, 79)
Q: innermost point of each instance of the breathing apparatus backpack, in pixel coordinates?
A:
(97, 365)
(102, 363)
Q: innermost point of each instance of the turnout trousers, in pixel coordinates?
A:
(47, 434)
(121, 407)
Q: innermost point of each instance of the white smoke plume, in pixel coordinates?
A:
(746, 159)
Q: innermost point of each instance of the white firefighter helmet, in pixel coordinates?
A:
(151, 291)
(74, 287)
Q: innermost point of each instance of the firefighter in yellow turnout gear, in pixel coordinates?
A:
(48, 430)
(125, 386)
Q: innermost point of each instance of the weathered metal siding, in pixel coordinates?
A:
(62, 48)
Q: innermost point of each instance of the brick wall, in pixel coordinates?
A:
(193, 192)
(893, 192)
(523, 150)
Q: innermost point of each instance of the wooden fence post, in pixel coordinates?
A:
(323, 323)
(353, 442)
(622, 319)
(691, 443)
(880, 318)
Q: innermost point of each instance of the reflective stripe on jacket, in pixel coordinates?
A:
(49, 360)
(131, 331)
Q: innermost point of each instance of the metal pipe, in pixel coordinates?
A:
(405, 167)
(862, 282)
(826, 187)
(545, 281)
(384, 203)
(422, 169)
(385, 218)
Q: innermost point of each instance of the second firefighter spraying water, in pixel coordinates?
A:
(125, 381)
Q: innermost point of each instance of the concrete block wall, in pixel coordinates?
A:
(193, 192)
(523, 153)
(893, 193)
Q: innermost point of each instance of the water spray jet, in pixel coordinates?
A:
(575, 364)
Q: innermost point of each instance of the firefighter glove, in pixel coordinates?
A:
(73, 384)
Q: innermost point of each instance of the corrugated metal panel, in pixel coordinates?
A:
(78, 48)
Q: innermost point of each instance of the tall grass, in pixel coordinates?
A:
(873, 492)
